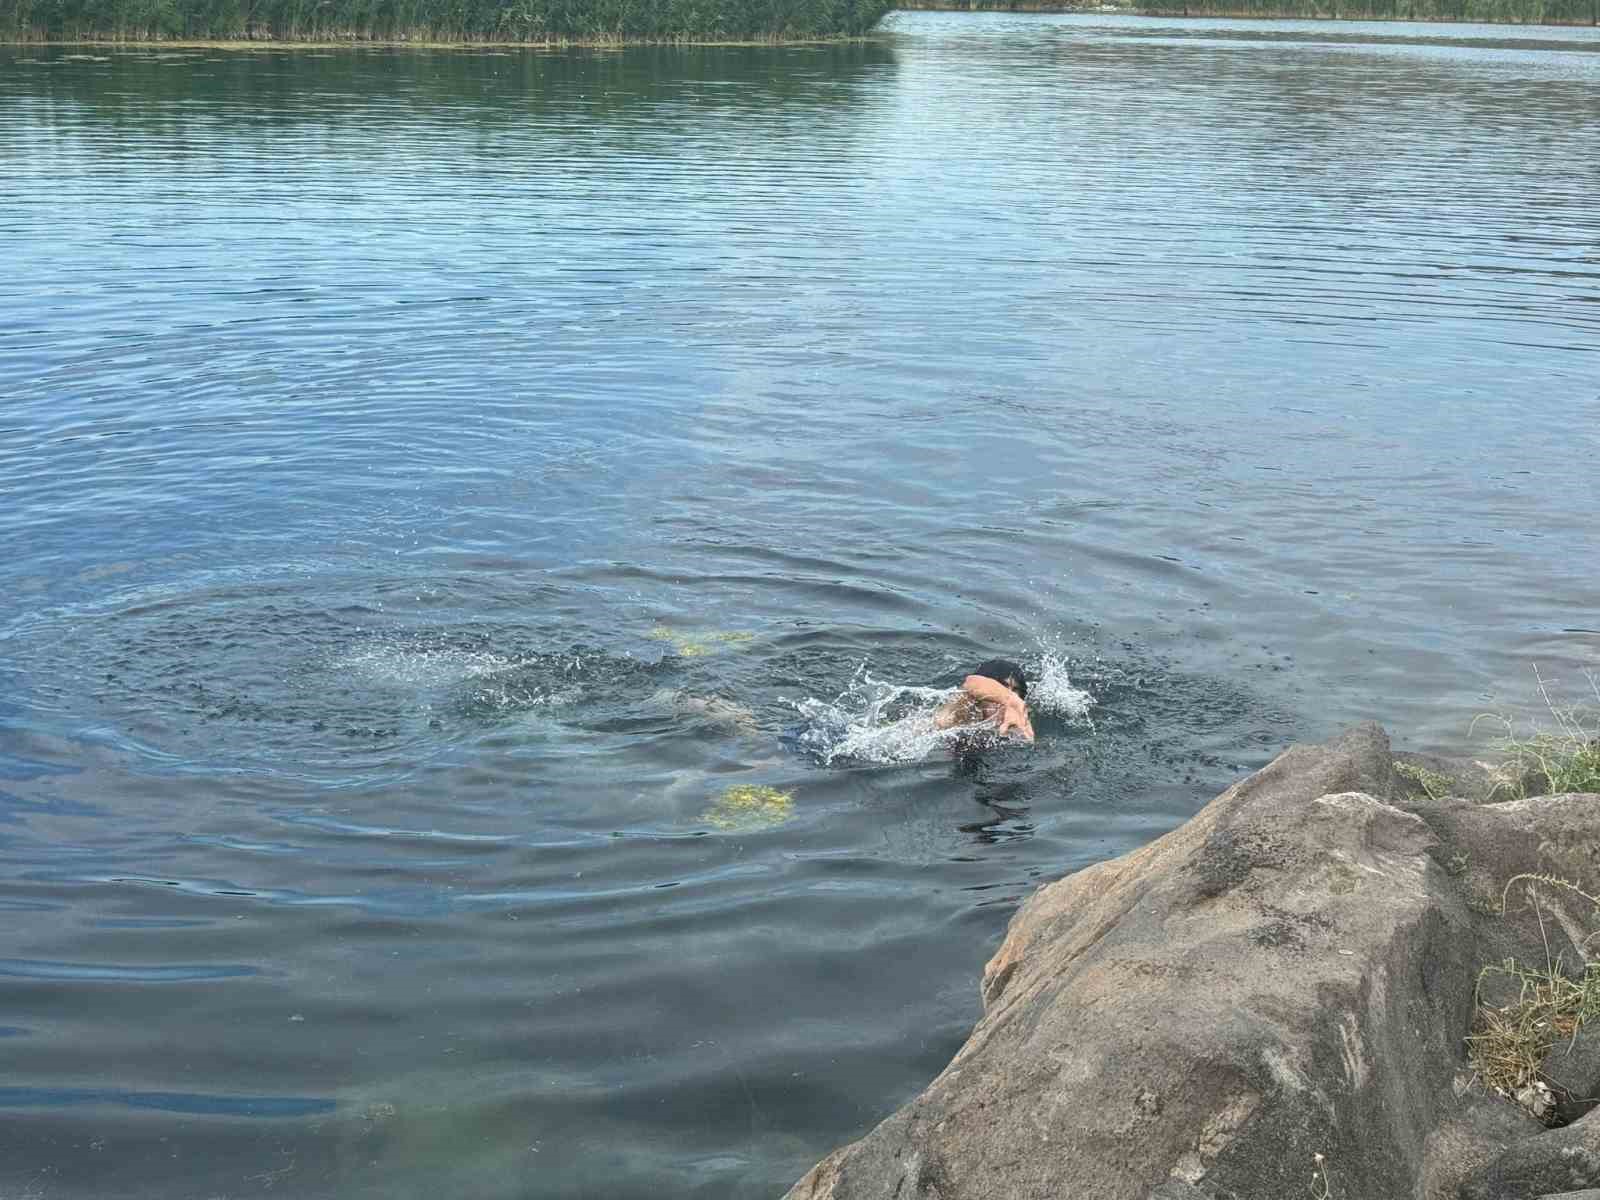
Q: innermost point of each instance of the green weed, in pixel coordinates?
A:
(1436, 786)
(1562, 755)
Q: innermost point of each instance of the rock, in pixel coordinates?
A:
(1468, 1139)
(1435, 776)
(1586, 1194)
(1291, 973)
(1557, 837)
(1562, 1160)
(1572, 1069)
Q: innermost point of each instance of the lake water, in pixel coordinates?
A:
(432, 480)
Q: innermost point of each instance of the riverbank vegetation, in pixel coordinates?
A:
(1504, 12)
(1560, 754)
(437, 21)
(616, 21)
(1539, 1008)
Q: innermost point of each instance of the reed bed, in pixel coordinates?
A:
(437, 21)
(1558, 754)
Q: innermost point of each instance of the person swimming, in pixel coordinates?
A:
(996, 691)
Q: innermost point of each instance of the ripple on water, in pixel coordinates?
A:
(102, 972)
(425, 498)
(277, 677)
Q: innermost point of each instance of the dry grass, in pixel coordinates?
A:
(1509, 1043)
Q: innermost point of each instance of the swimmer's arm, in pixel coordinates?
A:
(1013, 712)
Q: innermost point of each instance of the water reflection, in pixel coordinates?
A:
(588, 99)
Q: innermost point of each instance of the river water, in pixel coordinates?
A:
(435, 482)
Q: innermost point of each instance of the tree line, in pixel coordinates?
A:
(1523, 12)
(603, 21)
(438, 20)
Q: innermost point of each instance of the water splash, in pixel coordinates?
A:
(397, 664)
(873, 721)
(1050, 689)
(543, 680)
(445, 670)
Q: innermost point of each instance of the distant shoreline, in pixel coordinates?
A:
(429, 41)
(1198, 10)
(405, 43)
(542, 24)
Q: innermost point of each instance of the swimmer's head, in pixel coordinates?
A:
(1004, 671)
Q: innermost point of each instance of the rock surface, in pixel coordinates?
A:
(1572, 1069)
(1291, 973)
(1562, 1160)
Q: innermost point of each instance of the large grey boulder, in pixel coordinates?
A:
(1560, 1161)
(1289, 974)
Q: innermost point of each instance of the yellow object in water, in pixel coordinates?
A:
(749, 806)
(692, 645)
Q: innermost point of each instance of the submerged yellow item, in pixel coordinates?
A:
(692, 645)
(750, 807)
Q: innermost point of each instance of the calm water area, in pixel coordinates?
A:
(430, 481)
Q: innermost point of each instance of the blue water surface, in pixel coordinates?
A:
(432, 479)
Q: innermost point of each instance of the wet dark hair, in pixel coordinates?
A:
(1003, 670)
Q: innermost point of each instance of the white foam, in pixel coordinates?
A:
(878, 722)
(1051, 690)
(419, 667)
(522, 699)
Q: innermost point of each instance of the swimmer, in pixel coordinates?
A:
(996, 690)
